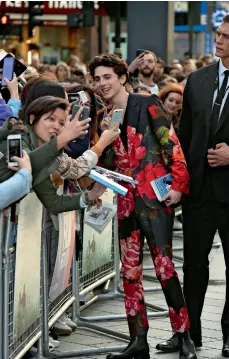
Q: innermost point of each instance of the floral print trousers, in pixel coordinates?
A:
(156, 225)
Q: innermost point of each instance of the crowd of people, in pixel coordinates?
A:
(168, 127)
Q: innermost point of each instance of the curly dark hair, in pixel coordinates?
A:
(109, 60)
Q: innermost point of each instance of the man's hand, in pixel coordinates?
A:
(173, 197)
(105, 123)
(219, 156)
(136, 63)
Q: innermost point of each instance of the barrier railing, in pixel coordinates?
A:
(15, 341)
(79, 284)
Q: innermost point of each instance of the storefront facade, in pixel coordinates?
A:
(54, 40)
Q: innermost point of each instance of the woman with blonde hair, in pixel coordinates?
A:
(62, 71)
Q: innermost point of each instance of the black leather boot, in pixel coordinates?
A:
(138, 348)
(187, 348)
(172, 345)
(169, 346)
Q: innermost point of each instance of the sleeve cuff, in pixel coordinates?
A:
(27, 174)
(82, 204)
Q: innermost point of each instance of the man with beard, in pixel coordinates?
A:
(145, 64)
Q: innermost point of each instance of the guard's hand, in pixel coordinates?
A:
(219, 156)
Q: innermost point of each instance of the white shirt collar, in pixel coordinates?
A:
(221, 68)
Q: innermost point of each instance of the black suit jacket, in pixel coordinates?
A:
(195, 131)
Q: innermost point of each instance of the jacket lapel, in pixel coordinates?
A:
(210, 84)
(224, 114)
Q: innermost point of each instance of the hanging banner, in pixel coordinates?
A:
(27, 272)
(67, 228)
(97, 247)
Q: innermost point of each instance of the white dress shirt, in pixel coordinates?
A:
(221, 78)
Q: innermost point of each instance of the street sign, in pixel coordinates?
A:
(217, 17)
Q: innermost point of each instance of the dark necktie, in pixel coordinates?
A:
(217, 105)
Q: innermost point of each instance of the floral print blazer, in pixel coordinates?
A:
(153, 149)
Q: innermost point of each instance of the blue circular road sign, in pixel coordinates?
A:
(217, 17)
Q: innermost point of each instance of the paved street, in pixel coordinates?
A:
(160, 327)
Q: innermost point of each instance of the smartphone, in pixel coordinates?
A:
(117, 116)
(85, 113)
(8, 69)
(14, 148)
(19, 67)
(73, 97)
(139, 52)
(83, 97)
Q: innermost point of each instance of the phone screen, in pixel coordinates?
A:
(117, 117)
(14, 148)
(8, 69)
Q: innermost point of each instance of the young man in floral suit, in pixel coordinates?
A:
(147, 148)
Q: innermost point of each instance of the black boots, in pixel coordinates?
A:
(179, 341)
(187, 349)
(169, 346)
(225, 350)
(138, 348)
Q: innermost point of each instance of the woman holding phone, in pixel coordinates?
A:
(48, 124)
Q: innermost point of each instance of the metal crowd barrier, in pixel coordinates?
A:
(79, 284)
(83, 284)
(12, 347)
(1, 278)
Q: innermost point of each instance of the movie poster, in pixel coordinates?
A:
(97, 247)
(27, 272)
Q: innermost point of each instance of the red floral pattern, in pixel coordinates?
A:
(164, 268)
(144, 161)
(132, 272)
(146, 176)
(125, 205)
(170, 146)
(136, 152)
(157, 111)
(121, 157)
(130, 254)
(180, 322)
